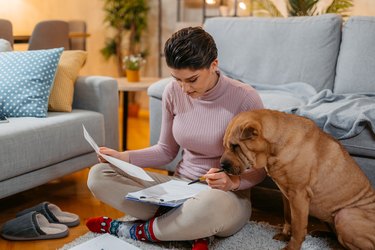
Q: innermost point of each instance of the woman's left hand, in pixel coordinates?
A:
(221, 180)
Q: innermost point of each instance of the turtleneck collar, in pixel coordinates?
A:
(216, 91)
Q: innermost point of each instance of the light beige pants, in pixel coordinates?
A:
(211, 212)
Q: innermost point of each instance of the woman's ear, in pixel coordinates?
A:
(214, 65)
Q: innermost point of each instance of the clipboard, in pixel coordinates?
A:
(171, 194)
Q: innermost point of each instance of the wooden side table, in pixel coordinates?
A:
(124, 87)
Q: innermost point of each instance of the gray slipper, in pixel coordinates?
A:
(32, 226)
(53, 214)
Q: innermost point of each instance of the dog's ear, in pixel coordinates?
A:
(248, 133)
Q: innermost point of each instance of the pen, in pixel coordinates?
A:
(202, 178)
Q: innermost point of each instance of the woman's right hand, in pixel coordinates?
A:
(109, 152)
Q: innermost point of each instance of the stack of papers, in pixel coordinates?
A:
(104, 242)
(172, 193)
(124, 166)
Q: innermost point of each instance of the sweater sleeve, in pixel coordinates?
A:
(251, 101)
(167, 148)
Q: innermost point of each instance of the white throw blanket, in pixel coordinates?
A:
(343, 116)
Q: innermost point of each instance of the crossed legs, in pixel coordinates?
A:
(212, 212)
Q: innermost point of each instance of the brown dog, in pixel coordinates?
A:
(313, 171)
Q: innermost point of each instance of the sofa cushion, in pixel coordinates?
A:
(278, 101)
(61, 98)
(278, 50)
(28, 143)
(356, 61)
(26, 78)
(361, 144)
(368, 167)
(286, 96)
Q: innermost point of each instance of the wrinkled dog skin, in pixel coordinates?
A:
(313, 171)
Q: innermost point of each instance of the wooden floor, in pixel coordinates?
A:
(71, 194)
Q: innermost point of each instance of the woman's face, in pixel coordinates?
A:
(196, 82)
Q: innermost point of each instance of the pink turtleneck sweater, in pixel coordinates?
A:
(198, 126)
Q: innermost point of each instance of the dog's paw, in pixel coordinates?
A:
(281, 237)
(289, 248)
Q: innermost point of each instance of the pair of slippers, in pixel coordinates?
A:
(43, 221)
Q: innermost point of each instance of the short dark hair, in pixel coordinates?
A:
(191, 48)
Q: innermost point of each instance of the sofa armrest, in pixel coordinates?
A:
(156, 89)
(100, 94)
(155, 93)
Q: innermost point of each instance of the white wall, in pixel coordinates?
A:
(24, 14)
(364, 8)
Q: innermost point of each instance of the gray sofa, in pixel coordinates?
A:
(34, 151)
(311, 66)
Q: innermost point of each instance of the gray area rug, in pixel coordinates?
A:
(254, 235)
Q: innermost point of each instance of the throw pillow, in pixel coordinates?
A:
(5, 45)
(26, 78)
(61, 98)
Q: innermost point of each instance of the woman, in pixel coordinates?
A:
(197, 106)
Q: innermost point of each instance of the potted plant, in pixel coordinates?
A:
(132, 64)
(128, 18)
(305, 7)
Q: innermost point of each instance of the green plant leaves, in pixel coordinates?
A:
(303, 7)
(128, 19)
(340, 6)
(109, 49)
(268, 7)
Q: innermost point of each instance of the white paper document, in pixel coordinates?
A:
(105, 242)
(124, 166)
(172, 193)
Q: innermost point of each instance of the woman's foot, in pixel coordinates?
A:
(127, 229)
(201, 244)
(108, 225)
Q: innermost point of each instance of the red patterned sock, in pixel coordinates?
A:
(143, 231)
(138, 231)
(99, 224)
(200, 244)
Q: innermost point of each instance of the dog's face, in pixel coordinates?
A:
(244, 145)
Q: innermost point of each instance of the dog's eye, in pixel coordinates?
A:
(233, 147)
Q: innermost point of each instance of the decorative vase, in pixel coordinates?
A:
(133, 75)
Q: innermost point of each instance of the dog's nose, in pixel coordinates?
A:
(226, 165)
